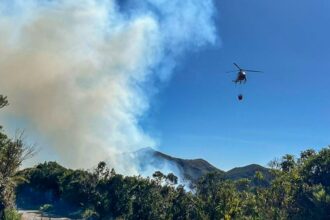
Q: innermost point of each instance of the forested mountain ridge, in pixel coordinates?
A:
(248, 172)
(193, 169)
(190, 169)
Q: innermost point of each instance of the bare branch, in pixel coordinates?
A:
(3, 101)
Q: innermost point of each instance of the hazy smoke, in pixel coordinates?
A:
(76, 72)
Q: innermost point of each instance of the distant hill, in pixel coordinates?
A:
(193, 169)
(247, 172)
(190, 169)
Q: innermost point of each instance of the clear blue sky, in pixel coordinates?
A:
(285, 110)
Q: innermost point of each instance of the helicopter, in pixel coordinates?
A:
(241, 75)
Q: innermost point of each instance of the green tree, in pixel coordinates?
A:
(12, 153)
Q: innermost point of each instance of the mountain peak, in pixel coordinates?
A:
(191, 169)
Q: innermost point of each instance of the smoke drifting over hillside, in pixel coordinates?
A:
(76, 72)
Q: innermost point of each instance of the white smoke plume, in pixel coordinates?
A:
(76, 72)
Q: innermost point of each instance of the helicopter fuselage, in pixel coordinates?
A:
(241, 77)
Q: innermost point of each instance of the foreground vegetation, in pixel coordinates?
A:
(299, 189)
(12, 153)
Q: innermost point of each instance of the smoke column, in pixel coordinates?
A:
(76, 72)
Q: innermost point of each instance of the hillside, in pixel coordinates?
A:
(193, 169)
(247, 172)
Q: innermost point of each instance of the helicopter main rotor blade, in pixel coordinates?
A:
(253, 71)
(237, 66)
(231, 71)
